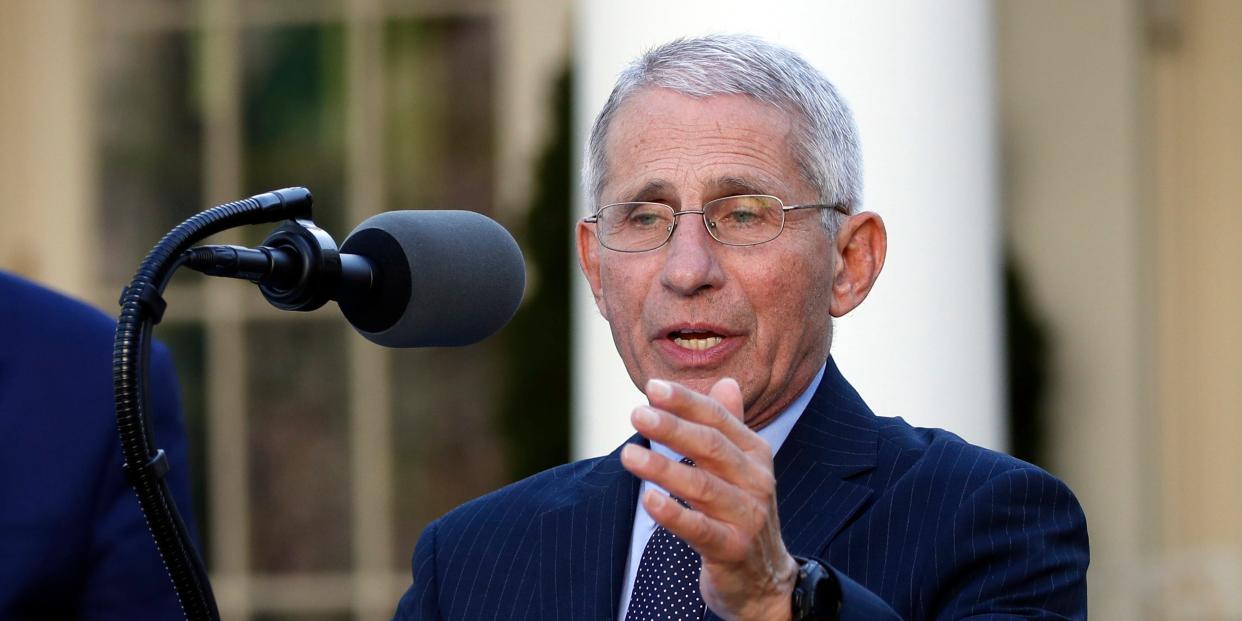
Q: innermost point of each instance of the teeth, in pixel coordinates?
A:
(698, 344)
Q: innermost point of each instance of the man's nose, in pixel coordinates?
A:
(691, 263)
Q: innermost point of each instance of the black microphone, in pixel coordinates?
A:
(402, 278)
(445, 278)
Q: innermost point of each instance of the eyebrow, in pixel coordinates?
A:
(738, 185)
(655, 186)
(729, 184)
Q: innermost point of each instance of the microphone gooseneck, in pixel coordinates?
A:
(142, 306)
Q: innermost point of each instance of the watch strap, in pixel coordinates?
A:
(816, 594)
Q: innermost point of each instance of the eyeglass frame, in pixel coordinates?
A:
(594, 218)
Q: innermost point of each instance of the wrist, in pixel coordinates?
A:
(784, 580)
(776, 604)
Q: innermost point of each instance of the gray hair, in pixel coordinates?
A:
(826, 148)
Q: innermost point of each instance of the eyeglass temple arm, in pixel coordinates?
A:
(835, 206)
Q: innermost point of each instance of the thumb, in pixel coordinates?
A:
(727, 392)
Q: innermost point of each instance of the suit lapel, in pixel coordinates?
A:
(833, 441)
(585, 543)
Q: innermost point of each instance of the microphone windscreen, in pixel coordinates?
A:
(445, 278)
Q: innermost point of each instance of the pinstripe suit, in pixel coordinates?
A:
(915, 523)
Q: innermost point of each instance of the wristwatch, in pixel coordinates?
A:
(816, 594)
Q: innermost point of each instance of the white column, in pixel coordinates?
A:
(47, 166)
(926, 345)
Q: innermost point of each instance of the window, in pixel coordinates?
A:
(317, 457)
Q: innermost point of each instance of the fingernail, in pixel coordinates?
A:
(644, 417)
(656, 499)
(633, 454)
(659, 389)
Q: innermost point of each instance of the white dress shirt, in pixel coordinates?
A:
(774, 433)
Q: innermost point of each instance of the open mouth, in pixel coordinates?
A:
(697, 340)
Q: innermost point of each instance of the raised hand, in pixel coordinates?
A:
(732, 523)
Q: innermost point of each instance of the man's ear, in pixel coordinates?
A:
(588, 260)
(861, 245)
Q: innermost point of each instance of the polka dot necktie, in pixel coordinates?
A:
(667, 584)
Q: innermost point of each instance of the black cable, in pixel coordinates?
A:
(142, 306)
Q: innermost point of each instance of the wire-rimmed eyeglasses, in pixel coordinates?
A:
(743, 220)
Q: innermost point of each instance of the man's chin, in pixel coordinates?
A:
(701, 385)
(697, 379)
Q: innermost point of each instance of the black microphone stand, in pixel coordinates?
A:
(142, 306)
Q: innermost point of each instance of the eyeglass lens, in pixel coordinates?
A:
(734, 220)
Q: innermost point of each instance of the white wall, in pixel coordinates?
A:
(926, 346)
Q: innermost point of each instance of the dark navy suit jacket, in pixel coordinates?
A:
(73, 543)
(915, 523)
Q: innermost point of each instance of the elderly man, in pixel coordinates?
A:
(724, 237)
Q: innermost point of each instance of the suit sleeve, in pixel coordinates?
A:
(859, 604)
(420, 602)
(1018, 545)
(126, 578)
(1021, 551)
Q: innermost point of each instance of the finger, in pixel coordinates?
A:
(707, 446)
(704, 491)
(685, 403)
(709, 537)
(728, 393)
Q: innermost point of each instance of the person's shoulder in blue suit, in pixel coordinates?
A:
(914, 523)
(968, 533)
(73, 541)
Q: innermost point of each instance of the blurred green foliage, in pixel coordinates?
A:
(293, 110)
(535, 409)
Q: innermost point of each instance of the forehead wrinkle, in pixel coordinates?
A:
(717, 173)
(709, 130)
(727, 177)
(725, 154)
(748, 143)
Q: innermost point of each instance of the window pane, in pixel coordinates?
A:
(294, 118)
(150, 142)
(447, 448)
(299, 446)
(187, 343)
(439, 92)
